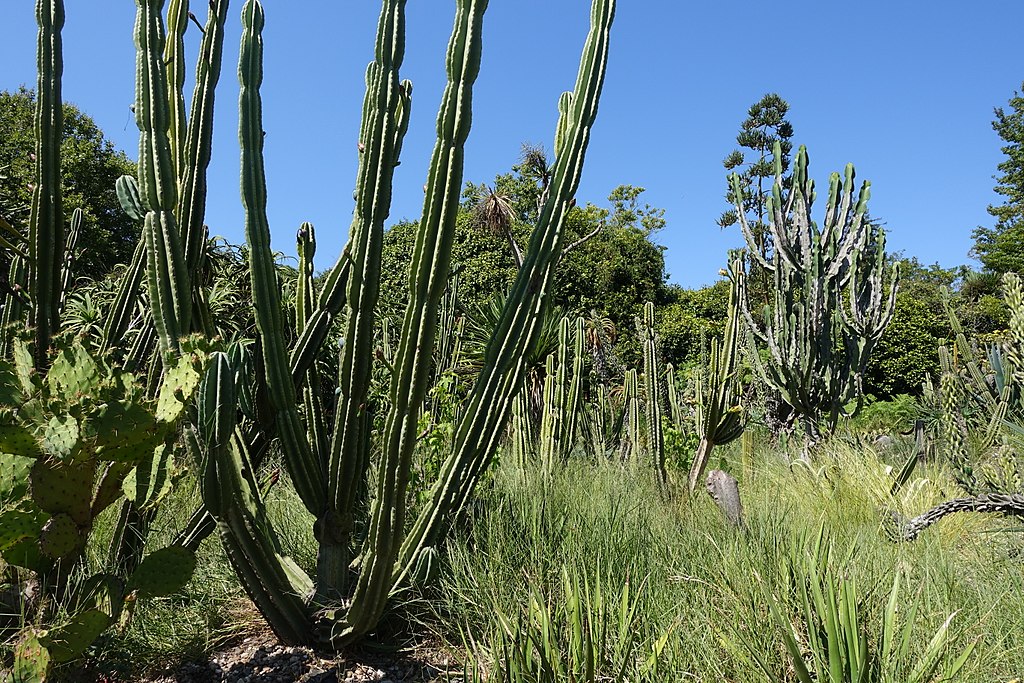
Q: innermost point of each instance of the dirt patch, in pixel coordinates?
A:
(261, 659)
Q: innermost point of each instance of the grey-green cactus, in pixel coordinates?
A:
(818, 345)
(654, 401)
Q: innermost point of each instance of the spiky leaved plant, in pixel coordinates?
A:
(818, 345)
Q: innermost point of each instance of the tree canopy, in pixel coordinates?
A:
(1000, 248)
(89, 168)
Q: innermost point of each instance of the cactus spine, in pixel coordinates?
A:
(46, 221)
(811, 267)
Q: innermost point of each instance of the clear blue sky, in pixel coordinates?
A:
(904, 90)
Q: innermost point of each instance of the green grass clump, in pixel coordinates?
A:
(696, 588)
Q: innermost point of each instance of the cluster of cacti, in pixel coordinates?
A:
(982, 393)
(818, 345)
(719, 412)
(162, 300)
(562, 390)
(73, 443)
(653, 403)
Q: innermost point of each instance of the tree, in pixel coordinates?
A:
(765, 130)
(1000, 248)
(766, 124)
(89, 168)
(610, 264)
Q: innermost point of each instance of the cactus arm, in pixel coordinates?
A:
(198, 145)
(67, 268)
(385, 105)
(486, 411)
(305, 471)
(46, 220)
(166, 272)
(428, 281)
(174, 61)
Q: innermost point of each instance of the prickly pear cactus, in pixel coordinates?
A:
(163, 572)
(31, 660)
(81, 437)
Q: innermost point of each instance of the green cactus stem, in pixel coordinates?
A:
(719, 415)
(46, 220)
(167, 274)
(487, 409)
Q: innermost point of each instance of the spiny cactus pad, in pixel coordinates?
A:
(14, 473)
(163, 572)
(73, 372)
(180, 382)
(62, 437)
(71, 639)
(17, 439)
(60, 537)
(25, 368)
(31, 660)
(19, 524)
(63, 487)
(120, 427)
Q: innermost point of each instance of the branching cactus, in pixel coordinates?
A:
(719, 391)
(349, 591)
(818, 345)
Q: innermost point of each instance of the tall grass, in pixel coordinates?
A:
(699, 586)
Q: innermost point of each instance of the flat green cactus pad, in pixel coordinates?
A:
(64, 487)
(17, 439)
(60, 537)
(14, 474)
(71, 639)
(180, 382)
(31, 660)
(18, 524)
(61, 436)
(73, 373)
(163, 572)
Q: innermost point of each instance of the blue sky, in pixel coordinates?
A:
(904, 90)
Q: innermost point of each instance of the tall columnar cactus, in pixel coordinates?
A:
(818, 346)
(719, 410)
(46, 221)
(332, 489)
(653, 390)
(167, 274)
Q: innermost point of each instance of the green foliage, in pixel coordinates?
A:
(1000, 248)
(689, 318)
(831, 639)
(89, 168)
(908, 351)
(765, 127)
